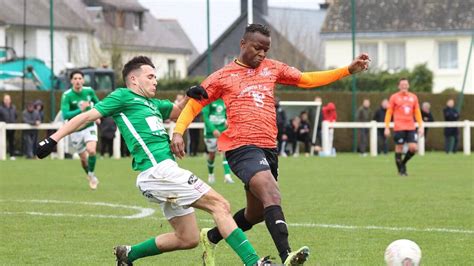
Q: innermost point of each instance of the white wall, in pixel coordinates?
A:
(79, 59)
(2, 36)
(160, 60)
(418, 50)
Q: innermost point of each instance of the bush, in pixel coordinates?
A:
(421, 80)
(178, 84)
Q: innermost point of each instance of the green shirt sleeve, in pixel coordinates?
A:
(111, 104)
(205, 114)
(165, 107)
(66, 110)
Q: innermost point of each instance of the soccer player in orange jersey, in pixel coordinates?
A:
(404, 106)
(247, 87)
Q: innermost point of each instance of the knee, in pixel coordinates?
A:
(413, 149)
(91, 152)
(189, 241)
(271, 197)
(222, 207)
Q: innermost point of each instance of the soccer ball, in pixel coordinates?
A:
(403, 252)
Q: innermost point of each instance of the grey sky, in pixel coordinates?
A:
(191, 14)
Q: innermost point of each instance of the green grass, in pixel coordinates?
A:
(347, 190)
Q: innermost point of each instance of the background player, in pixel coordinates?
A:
(247, 87)
(404, 106)
(139, 117)
(75, 101)
(215, 121)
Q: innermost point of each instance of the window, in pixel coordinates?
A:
(396, 56)
(172, 73)
(372, 50)
(137, 21)
(448, 55)
(119, 19)
(72, 48)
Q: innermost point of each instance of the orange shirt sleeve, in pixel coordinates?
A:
(190, 111)
(418, 117)
(388, 117)
(320, 78)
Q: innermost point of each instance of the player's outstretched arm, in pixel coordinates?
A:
(45, 147)
(321, 78)
(190, 111)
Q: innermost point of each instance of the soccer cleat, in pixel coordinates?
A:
(265, 261)
(403, 170)
(211, 179)
(228, 179)
(93, 181)
(209, 248)
(121, 254)
(297, 257)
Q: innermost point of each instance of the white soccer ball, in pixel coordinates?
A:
(403, 252)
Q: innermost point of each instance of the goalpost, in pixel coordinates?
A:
(294, 108)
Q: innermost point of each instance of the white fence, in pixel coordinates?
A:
(373, 125)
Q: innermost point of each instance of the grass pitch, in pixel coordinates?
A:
(346, 209)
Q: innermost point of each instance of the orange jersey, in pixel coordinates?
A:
(403, 106)
(249, 98)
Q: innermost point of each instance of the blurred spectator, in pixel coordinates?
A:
(281, 124)
(30, 136)
(124, 152)
(107, 130)
(317, 144)
(292, 136)
(179, 98)
(39, 108)
(364, 114)
(8, 115)
(426, 115)
(379, 116)
(304, 132)
(450, 133)
(330, 115)
(194, 135)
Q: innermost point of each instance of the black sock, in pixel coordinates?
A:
(408, 156)
(239, 217)
(275, 221)
(398, 159)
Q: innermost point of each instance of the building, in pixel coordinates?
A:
(401, 34)
(295, 38)
(95, 33)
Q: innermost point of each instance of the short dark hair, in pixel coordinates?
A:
(260, 28)
(134, 64)
(401, 79)
(74, 72)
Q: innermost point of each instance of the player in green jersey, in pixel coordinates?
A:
(215, 121)
(139, 117)
(77, 100)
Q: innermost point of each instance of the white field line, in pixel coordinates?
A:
(142, 212)
(147, 212)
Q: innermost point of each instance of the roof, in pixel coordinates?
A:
(301, 27)
(37, 15)
(401, 16)
(125, 5)
(157, 35)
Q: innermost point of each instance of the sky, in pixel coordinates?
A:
(191, 14)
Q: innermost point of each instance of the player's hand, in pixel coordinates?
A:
(360, 63)
(421, 132)
(197, 93)
(177, 145)
(83, 106)
(387, 132)
(45, 147)
(216, 133)
(98, 121)
(284, 137)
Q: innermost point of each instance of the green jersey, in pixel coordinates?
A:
(214, 118)
(140, 121)
(72, 100)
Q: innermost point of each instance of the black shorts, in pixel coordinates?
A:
(405, 136)
(246, 161)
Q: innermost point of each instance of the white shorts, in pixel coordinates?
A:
(79, 139)
(211, 144)
(174, 188)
